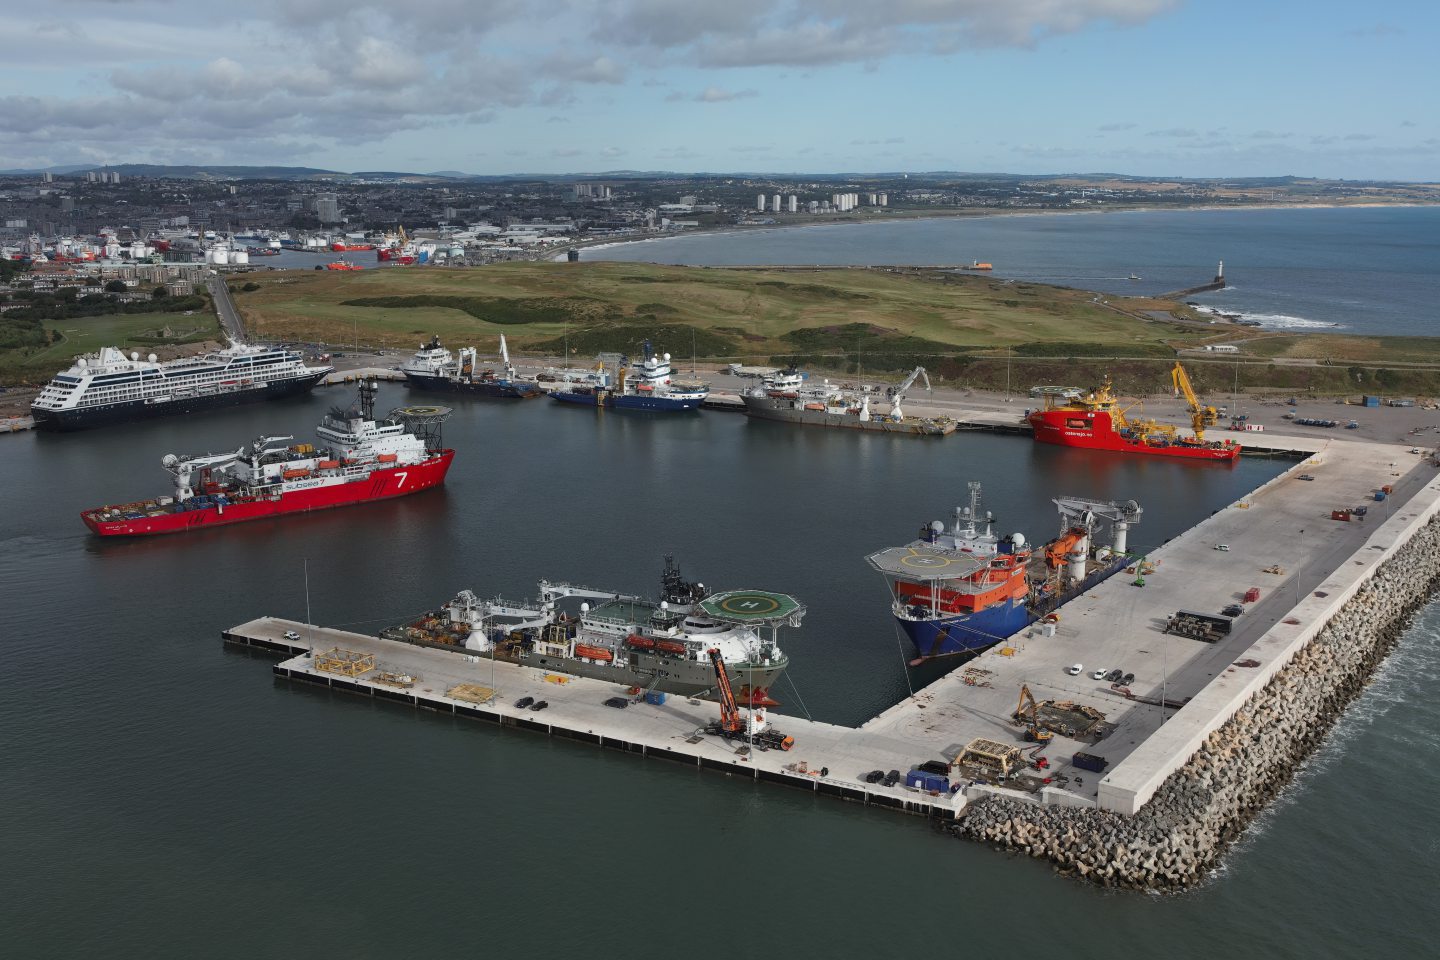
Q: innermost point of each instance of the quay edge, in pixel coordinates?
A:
(1190, 791)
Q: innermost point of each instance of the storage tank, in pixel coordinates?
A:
(240, 257)
(457, 252)
(218, 256)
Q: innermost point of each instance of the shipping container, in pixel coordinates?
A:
(1252, 594)
(928, 782)
(1379, 495)
(655, 697)
(1370, 401)
(1088, 761)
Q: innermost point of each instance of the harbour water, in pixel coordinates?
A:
(162, 796)
(1368, 270)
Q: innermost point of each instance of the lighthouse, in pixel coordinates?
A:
(1220, 274)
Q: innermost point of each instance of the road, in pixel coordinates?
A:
(230, 320)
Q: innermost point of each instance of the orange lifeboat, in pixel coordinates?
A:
(639, 642)
(388, 457)
(327, 464)
(593, 653)
(294, 474)
(670, 646)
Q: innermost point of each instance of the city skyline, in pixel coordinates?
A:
(1140, 87)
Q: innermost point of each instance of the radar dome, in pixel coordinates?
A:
(664, 605)
(1018, 539)
(84, 362)
(584, 608)
(134, 354)
(667, 358)
(936, 526)
(151, 358)
(169, 460)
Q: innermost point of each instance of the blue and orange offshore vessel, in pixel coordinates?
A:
(963, 589)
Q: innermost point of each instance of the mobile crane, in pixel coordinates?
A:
(1200, 416)
(733, 726)
(897, 394)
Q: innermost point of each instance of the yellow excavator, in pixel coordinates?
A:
(1200, 416)
(1024, 715)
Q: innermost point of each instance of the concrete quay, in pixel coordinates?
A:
(833, 757)
(1285, 523)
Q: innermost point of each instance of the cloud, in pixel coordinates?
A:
(713, 95)
(795, 33)
(1174, 132)
(1270, 135)
(277, 74)
(1407, 123)
(1115, 127)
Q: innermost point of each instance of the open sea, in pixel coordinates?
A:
(163, 796)
(1364, 270)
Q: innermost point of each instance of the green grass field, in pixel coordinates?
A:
(748, 313)
(967, 329)
(89, 334)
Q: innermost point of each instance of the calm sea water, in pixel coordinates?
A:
(1363, 270)
(162, 796)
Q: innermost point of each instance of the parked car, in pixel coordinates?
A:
(892, 778)
(1128, 679)
(619, 703)
(524, 702)
(875, 776)
(1074, 669)
(1114, 675)
(539, 705)
(1234, 610)
(1305, 476)
(1099, 674)
(935, 766)
(292, 636)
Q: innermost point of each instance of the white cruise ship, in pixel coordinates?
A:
(111, 387)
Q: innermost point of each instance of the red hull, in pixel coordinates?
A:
(1095, 431)
(379, 485)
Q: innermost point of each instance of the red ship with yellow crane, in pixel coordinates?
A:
(1098, 421)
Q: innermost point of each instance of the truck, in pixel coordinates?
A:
(1208, 627)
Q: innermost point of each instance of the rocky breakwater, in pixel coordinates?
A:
(1179, 835)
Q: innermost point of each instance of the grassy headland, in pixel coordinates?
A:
(973, 330)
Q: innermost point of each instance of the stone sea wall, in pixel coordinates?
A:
(1179, 835)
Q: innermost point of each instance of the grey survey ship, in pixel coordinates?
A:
(785, 396)
(653, 645)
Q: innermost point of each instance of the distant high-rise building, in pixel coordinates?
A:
(884, 199)
(449, 213)
(813, 205)
(114, 177)
(760, 202)
(67, 204)
(48, 177)
(793, 203)
(775, 203)
(327, 208)
(232, 190)
(90, 176)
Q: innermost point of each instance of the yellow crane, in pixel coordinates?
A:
(1200, 416)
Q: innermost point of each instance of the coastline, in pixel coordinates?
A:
(977, 214)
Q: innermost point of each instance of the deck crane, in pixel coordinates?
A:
(732, 725)
(505, 359)
(182, 468)
(897, 394)
(1069, 554)
(1200, 416)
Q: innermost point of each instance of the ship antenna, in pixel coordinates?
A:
(974, 486)
(368, 389)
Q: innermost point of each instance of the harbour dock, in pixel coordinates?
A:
(1280, 540)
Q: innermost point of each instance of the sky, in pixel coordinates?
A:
(1195, 88)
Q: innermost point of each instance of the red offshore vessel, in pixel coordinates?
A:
(359, 459)
(1097, 422)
